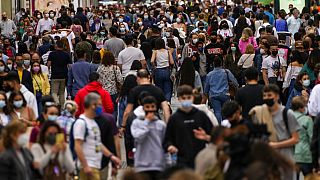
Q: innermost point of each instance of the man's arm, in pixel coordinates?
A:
(286, 143)
(78, 148)
(265, 76)
(126, 113)
(109, 154)
(166, 111)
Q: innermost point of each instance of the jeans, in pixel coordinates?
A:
(57, 89)
(163, 81)
(121, 108)
(217, 102)
(115, 106)
(305, 168)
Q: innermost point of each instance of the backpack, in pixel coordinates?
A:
(71, 137)
(53, 170)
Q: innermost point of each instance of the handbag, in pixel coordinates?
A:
(38, 92)
(232, 87)
(53, 170)
(118, 84)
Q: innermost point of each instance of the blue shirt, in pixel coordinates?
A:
(217, 82)
(281, 25)
(271, 17)
(78, 76)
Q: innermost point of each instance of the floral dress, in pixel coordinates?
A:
(109, 75)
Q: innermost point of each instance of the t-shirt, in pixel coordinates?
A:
(91, 147)
(69, 37)
(153, 90)
(59, 61)
(115, 45)
(274, 66)
(127, 56)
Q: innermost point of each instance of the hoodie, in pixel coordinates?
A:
(94, 86)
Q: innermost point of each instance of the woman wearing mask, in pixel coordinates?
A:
(122, 31)
(247, 38)
(4, 115)
(224, 30)
(67, 116)
(10, 64)
(52, 15)
(16, 162)
(147, 21)
(162, 60)
(3, 73)
(95, 27)
(231, 61)
(19, 110)
(180, 26)
(40, 81)
(310, 64)
(246, 61)
(140, 23)
(47, 150)
(301, 88)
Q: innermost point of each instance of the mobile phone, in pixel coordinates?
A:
(60, 138)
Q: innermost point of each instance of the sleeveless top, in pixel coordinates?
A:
(162, 59)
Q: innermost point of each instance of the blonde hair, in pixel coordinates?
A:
(249, 49)
(246, 34)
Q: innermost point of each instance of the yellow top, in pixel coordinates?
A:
(41, 83)
(20, 74)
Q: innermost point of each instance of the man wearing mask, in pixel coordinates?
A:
(168, 34)
(87, 138)
(281, 122)
(191, 48)
(44, 24)
(7, 26)
(179, 137)
(294, 22)
(24, 75)
(26, 61)
(12, 83)
(19, 15)
(232, 111)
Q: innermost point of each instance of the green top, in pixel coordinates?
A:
(309, 71)
(302, 153)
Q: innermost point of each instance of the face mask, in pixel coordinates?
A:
(145, 17)
(117, 15)
(262, 51)
(150, 111)
(161, 26)
(52, 117)
(233, 49)
(167, 34)
(192, 18)
(72, 15)
(22, 140)
(140, 23)
(306, 83)
(98, 110)
(206, 11)
(46, 15)
(51, 15)
(39, 16)
(51, 139)
(26, 62)
(23, 14)
(178, 20)
(274, 53)
(36, 69)
(9, 66)
(18, 104)
(200, 49)
(186, 104)
(122, 29)
(201, 28)
(1, 68)
(194, 41)
(269, 102)
(2, 104)
(19, 63)
(120, 20)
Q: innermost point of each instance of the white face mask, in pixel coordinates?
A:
(46, 15)
(194, 41)
(38, 16)
(51, 15)
(22, 140)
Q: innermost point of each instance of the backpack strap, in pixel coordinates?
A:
(285, 119)
(86, 133)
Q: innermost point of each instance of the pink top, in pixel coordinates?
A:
(243, 44)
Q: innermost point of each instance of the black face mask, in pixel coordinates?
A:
(51, 139)
(274, 53)
(269, 102)
(19, 63)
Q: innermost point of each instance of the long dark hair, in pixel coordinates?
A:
(45, 126)
(129, 83)
(5, 108)
(10, 103)
(313, 59)
(187, 72)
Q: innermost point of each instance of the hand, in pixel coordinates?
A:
(304, 93)
(115, 160)
(55, 149)
(172, 149)
(36, 165)
(87, 170)
(201, 134)
(63, 147)
(121, 132)
(273, 144)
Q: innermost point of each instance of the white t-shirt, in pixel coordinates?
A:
(4, 119)
(44, 24)
(92, 141)
(127, 56)
(69, 37)
(272, 65)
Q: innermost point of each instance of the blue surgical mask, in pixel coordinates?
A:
(233, 48)
(186, 104)
(120, 20)
(2, 104)
(52, 117)
(98, 110)
(18, 104)
(1, 68)
(306, 83)
(26, 62)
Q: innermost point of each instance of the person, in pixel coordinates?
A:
(294, 22)
(302, 88)
(128, 55)
(40, 82)
(179, 137)
(94, 86)
(83, 19)
(244, 95)
(208, 156)
(78, 74)
(232, 111)
(114, 44)
(44, 48)
(7, 26)
(16, 161)
(149, 133)
(246, 39)
(162, 60)
(231, 61)
(58, 62)
(49, 150)
(4, 113)
(24, 75)
(88, 147)
(143, 79)
(67, 116)
(135, 67)
(281, 23)
(36, 58)
(281, 122)
(44, 24)
(309, 66)
(217, 86)
(3, 72)
(314, 103)
(110, 77)
(8, 50)
(190, 49)
(246, 61)
(11, 83)
(302, 151)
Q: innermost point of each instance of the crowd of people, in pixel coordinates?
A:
(188, 89)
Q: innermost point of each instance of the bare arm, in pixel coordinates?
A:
(126, 113)
(265, 76)
(117, 144)
(153, 57)
(78, 148)
(144, 63)
(286, 143)
(166, 110)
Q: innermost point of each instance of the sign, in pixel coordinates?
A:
(299, 4)
(42, 5)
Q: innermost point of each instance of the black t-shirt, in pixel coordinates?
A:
(249, 96)
(212, 50)
(59, 61)
(153, 90)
